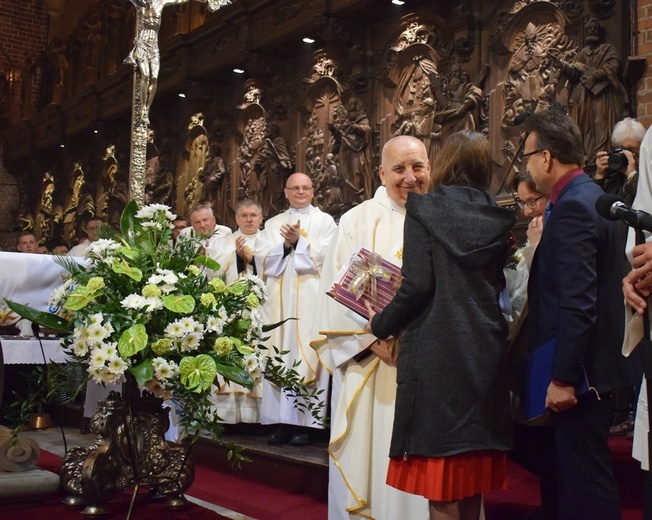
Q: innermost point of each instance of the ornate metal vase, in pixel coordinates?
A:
(130, 451)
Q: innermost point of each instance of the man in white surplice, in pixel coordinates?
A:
(289, 255)
(235, 254)
(364, 387)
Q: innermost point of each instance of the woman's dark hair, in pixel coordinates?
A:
(465, 160)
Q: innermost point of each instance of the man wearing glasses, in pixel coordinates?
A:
(575, 302)
(290, 252)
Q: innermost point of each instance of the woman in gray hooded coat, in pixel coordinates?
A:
(452, 425)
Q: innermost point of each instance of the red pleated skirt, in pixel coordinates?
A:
(447, 479)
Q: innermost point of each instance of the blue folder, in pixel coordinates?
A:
(538, 370)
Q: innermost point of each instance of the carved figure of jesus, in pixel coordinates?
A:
(145, 55)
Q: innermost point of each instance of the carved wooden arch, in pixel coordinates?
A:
(527, 88)
(322, 100)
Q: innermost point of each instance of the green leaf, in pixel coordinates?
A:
(198, 372)
(207, 262)
(120, 266)
(272, 326)
(143, 372)
(243, 324)
(240, 345)
(79, 298)
(133, 340)
(51, 321)
(181, 304)
(237, 289)
(129, 224)
(129, 252)
(235, 374)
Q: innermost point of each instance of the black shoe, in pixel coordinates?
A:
(282, 435)
(300, 439)
(623, 428)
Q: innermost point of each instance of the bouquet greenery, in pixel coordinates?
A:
(144, 308)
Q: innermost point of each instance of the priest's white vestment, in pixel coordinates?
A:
(293, 284)
(363, 394)
(233, 402)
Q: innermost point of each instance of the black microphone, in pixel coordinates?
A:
(612, 207)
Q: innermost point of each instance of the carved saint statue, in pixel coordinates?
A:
(353, 133)
(212, 175)
(597, 100)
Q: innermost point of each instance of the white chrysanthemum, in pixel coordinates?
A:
(134, 301)
(190, 342)
(169, 277)
(56, 296)
(164, 369)
(98, 358)
(155, 279)
(198, 328)
(153, 225)
(258, 287)
(96, 334)
(81, 334)
(79, 348)
(110, 349)
(117, 365)
(153, 304)
(188, 323)
(215, 324)
(95, 319)
(167, 288)
(175, 329)
(102, 248)
(250, 362)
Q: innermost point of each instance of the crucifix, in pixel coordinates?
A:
(146, 60)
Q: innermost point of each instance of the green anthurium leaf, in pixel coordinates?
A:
(143, 372)
(79, 298)
(132, 340)
(235, 374)
(272, 326)
(242, 347)
(243, 324)
(120, 266)
(237, 289)
(129, 252)
(197, 372)
(207, 261)
(182, 304)
(129, 224)
(51, 321)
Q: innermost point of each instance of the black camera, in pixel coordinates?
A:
(617, 160)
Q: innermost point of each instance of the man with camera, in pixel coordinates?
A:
(616, 171)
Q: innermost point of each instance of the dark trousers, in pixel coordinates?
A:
(573, 462)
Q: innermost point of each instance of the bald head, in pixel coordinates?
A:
(298, 190)
(404, 168)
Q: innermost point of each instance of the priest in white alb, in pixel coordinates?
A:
(289, 255)
(363, 368)
(235, 254)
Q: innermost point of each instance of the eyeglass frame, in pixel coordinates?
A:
(529, 154)
(297, 189)
(530, 203)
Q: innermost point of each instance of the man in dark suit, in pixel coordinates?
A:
(575, 297)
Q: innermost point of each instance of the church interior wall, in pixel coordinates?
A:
(375, 70)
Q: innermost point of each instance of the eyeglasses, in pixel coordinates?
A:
(299, 188)
(527, 155)
(530, 203)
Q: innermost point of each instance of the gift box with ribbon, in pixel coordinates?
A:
(368, 278)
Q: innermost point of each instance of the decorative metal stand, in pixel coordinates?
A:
(130, 451)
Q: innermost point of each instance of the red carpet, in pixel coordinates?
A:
(265, 502)
(229, 491)
(522, 494)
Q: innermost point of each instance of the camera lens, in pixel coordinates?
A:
(617, 161)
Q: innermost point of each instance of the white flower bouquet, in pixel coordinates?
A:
(144, 308)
